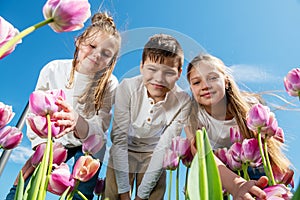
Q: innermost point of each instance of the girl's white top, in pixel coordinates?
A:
(55, 75)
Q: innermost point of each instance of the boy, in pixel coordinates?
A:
(150, 110)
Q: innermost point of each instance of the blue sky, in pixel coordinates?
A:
(258, 39)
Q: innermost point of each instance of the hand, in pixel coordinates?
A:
(246, 189)
(27, 170)
(66, 118)
(125, 196)
(138, 198)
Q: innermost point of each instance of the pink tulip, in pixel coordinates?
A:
(39, 125)
(233, 157)
(258, 116)
(279, 135)
(171, 160)
(59, 154)
(10, 137)
(60, 179)
(292, 82)
(85, 168)
(100, 186)
(92, 144)
(7, 32)
(277, 192)
(181, 146)
(250, 152)
(188, 158)
(221, 154)
(270, 129)
(6, 113)
(43, 102)
(235, 135)
(68, 15)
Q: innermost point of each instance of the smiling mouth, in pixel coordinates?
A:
(206, 95)
(157, 86)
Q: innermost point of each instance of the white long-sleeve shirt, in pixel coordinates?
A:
(55, 75)
(141, 125)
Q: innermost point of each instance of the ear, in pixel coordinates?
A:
(179, 72)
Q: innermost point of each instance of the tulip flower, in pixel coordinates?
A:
(258, 116)
(278, 192)
(281, 177)
(235, 135)
(171, 160)
(221, 154)
(92, 144)
(6, 114)
(180, 145)
(85, 168)
(187, 159)
(39, 125)
(59, 154)
(250, 152)
(43, 103)
(7, 32)
(61, 15)
(292, 82)
(60, 179)
(10, 137)
(279, 135)
(100, 186)
(233, 160)
(270, 129)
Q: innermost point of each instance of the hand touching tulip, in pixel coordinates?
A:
(70, 120)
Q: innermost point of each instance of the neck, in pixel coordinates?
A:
(219, 111)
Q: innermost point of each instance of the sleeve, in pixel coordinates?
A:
(42, 84)
(100, 122)
(155, 167)
(119, 137)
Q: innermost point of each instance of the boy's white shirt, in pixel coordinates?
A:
(142, 126)
(55, 75)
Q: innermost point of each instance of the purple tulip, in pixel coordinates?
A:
(258, 116)
(278, 192)
(250, 152)
(68, 15)
(292, 82)
(10, 137)
(85, 168)
(92, 144)
(39, 125)
(43, 103)
(171, 160)
(270, 129)
(188, 158)
(181, 146)
(6, 113)
(7, 32)
(221, 154)
(235, 135)
(100, 186)
(59, 154)
(60, 179)
(233, 157)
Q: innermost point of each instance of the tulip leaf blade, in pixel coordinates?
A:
(20, 187)
(31, 187)
(296, 195)
(64, 195)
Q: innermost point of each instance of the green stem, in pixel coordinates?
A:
(245, 171)
(170, 183)
(262, 153)
(22, 34)
(71, 195)
(47, 161)
(202, 165)
(81, 195)
(186, 182)
(272, 180)
(177, 183)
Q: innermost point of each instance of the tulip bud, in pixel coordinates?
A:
(235, 135)
(279, 191)
(171, 160)
(250, 152)
(292, 82)
(6, 113)
(92, 144)
(181, 146)
(10, 137)
(221, 154)
(100, 186)
(85, 168)
(39, 125)
(258, 116)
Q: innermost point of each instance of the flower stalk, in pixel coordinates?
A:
(271, 176)
(22, 34)
(170, 184)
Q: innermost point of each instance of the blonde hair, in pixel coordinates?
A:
(95, 89)
(161, 46)
(239, 107)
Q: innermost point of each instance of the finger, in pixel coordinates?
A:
(65, 131)
(262, 182)
(64, 105)
(248, 196)
(256, 191)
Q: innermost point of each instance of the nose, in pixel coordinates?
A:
(159, 77)
(204, 85)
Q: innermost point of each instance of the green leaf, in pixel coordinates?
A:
(63, 196)
(20, 188)
(205, 166)
(33, 185)
(296, 195)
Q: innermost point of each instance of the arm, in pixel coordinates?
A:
(119, 137)
(155, 167)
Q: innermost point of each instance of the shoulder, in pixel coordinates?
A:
(180, 93)
(57, 66)
(133, 83)
(113, 81)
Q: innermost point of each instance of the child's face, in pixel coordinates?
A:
(95, 53)
(207, 84)
(160, 78)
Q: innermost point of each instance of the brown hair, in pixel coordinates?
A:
(162, 46)
(239, 107)
(95, 90)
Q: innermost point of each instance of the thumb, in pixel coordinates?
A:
(262, 182)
